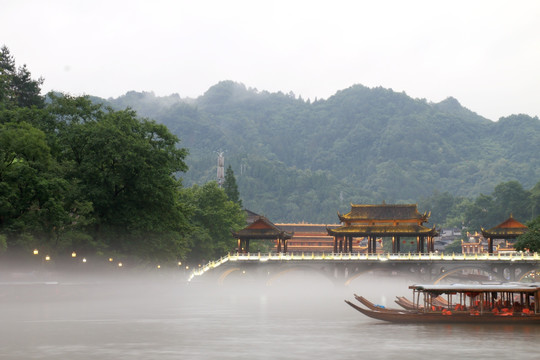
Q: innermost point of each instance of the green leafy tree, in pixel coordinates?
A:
(230, 187)
(213, 216)
(535, 200)
(530, 241)
(481, 213)
(17, 88)
(126, 167)
(454, 247)
(510, 198)
(440, 205)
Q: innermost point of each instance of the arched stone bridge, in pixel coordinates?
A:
(342, 268)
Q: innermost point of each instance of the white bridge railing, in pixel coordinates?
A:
(265, 257)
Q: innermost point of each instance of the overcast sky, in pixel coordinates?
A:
(486, 54)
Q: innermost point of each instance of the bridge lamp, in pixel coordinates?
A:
(120, 264)
(84, 260)
(73, 254)
(187, 267)
(110, 259)
(36, 251)
(47, 258)
(159, 266)
(179, 263)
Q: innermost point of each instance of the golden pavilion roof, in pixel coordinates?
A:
(508, 229)
(383, 230)
(384, 212)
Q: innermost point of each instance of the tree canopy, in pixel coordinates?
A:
(76, 175)
(530, 241)
(230, 187)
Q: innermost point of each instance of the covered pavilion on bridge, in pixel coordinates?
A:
(508, 229)
(261, 228)
(383, 220)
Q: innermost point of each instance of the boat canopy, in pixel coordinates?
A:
(477, 288)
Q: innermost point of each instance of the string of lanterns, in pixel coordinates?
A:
(120, 264)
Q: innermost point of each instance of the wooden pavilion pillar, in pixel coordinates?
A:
(335, 244)
(284, 245)
(490, 245)
(393, 244)
(345, 247)
(369, 244)
(398, 244)
(278, 245)
(350, 244)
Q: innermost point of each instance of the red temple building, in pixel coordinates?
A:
(260, 228)
(509, 229)
(309, 237)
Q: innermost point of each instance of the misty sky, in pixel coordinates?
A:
(484, 53)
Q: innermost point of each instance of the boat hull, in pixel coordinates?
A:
(438, 318)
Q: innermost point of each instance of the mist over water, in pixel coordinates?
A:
(298, 316)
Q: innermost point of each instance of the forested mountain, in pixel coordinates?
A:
(297, 160)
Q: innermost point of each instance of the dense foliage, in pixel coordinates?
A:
(298, 160)
(530, 241)
(80, 176)
(230, 187)
(484, 211)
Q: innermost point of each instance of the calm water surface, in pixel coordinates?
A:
(163, 318)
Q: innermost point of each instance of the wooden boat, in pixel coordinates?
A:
(513, 303)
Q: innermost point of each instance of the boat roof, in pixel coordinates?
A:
(507, 287)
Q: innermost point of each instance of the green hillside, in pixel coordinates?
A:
(298, 160)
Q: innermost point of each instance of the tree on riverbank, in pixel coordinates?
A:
(79, 176)
(531, 239)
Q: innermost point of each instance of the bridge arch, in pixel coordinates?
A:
(226, 273)
(444, 274)
(297, 269)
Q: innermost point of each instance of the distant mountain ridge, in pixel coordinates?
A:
(298, 160)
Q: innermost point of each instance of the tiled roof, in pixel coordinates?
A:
(508, 229)
(384, 212)
(383, 230)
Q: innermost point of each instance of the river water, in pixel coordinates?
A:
(162, 317)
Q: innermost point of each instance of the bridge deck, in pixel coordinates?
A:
(329, 257)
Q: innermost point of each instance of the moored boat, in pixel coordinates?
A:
(501, 303)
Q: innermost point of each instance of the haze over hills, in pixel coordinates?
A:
(298, 160)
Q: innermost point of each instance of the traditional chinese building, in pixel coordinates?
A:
(475, 244)
(258, 228)
(509, 229)
(384, 220)
(470, 247)
(309, 237)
